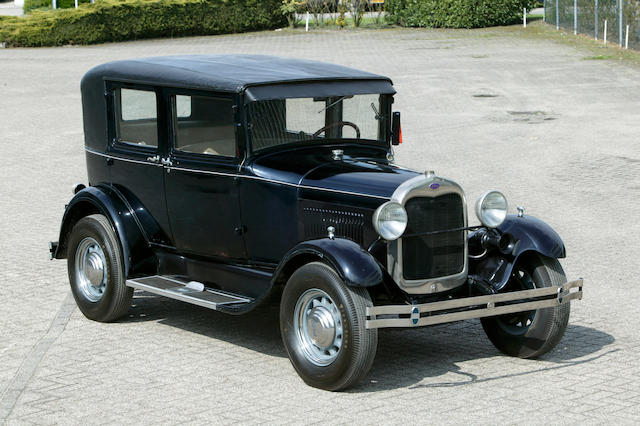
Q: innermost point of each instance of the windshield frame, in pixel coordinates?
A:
(386, 100)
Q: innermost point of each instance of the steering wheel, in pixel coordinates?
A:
(336, 124)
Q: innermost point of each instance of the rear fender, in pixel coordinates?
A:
(355, 266)
(106, 201)
(530, 235)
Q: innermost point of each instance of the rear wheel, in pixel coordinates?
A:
(532, 333)
(96, 271)
(322, 321)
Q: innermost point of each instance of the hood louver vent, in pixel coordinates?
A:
(347, 224)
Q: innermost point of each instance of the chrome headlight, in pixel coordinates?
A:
(390, 220)
(491, 209)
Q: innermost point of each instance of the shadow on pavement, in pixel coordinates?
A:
(405, 357)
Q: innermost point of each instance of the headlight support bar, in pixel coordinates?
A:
(472, 307)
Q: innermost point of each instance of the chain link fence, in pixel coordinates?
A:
(616, 21)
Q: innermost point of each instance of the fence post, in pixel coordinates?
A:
(596, 20)
(76, 4)
(626, 38)
(605, 31)
(544, 14)
(575, 17)
(557, 16)
(524, 17)
(620, 22)
(54, 4)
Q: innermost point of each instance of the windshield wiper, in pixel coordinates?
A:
(373, 107)
(332, 104)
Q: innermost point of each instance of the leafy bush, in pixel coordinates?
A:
(30, 5)
(117, 20)
(455, 13)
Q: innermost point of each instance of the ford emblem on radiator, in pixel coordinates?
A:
(434, 185)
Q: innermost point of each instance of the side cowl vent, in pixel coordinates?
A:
(346, 223)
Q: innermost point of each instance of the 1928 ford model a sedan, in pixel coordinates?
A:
(218, 180)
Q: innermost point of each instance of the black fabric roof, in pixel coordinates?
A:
(228, 73)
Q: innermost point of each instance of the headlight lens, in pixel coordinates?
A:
(390, 220)
(491, 209)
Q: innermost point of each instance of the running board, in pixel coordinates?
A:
(187, 291)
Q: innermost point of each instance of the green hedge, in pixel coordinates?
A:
(455, 13)
(117, 20)
(30, 5)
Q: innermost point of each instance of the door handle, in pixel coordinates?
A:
(166, 162)
(154, 159)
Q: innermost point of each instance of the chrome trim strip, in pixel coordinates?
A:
(295, 185)
(115, 157)
(237, 175)
(419, 186)
(436, 311)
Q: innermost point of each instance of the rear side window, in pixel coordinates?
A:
(204, 125)
(136, 117)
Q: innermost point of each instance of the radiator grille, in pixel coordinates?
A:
(347, 224)
(435, 255)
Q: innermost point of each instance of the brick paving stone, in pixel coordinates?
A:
(172, 363)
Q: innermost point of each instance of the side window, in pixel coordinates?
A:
(136, 117)
(204, 125)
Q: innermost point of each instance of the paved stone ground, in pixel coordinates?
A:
(489, 108)
(10, 8)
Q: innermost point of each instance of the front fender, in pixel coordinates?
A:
(354, 265)
(529, 234)
(106, 201)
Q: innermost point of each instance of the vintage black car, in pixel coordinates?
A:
(222, 180)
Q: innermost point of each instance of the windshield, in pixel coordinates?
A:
(284, 121)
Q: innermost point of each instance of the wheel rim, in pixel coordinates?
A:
(90, 269)
(519, 322)
(318, 327)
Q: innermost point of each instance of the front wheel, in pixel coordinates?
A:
(323, 328)
(532, 333)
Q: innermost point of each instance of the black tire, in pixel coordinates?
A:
(532, 334)
(112, 298)
(353, 360)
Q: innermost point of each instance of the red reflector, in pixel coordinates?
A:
(400, 134)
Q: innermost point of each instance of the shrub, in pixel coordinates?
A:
(30, 5)
(455, 13)
(117, 20)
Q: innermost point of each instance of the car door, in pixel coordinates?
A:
(201, 181)
(137, 143)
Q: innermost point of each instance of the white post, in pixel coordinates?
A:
(596, 20)
(76, 4)
(620, 23)
(575, 17)
(626, 38)
(544, 14)
(306, 25)
(54, 4)
(605, 31)
(524, 17)
(557, 15)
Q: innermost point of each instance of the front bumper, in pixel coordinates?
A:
(472, 307)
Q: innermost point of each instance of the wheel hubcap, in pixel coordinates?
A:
(90, 269)
(318, 326)
(321, 326)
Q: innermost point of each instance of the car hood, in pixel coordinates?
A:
(357, 176)
(354, 173)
